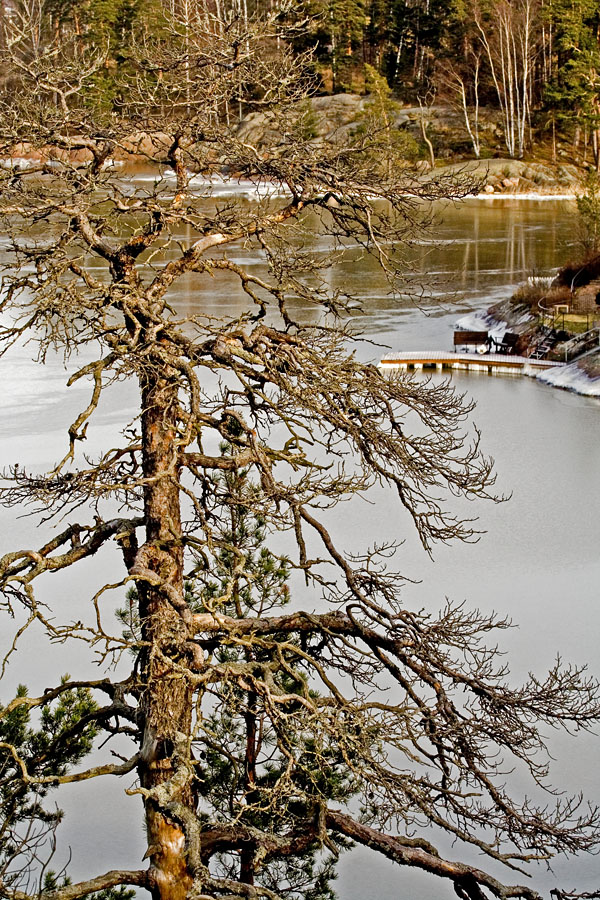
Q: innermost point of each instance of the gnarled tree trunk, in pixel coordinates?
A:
(167, 697)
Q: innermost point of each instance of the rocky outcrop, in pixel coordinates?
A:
(509, 176)
(327, 118)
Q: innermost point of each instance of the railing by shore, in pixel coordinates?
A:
(581, 343)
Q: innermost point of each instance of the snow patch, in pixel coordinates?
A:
(217, 185)
(541, 281)
(482, 321)
(16, 162)
(531, 195)
(572, 378)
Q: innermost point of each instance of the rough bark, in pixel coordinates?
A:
(422, 855)
(286, 712)
(167, 697)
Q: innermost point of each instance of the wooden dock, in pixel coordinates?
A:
(484, 363)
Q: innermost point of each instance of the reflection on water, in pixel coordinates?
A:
(477, 253)
(537, 561)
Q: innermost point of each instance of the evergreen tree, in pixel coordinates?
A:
(338, 30)
(573, 92)
(379, 116)
(588, 206)
(416, 33)
(61, 738)
(261, 737)
(240, 768)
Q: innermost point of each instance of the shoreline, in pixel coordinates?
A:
(529, 195)
(584, 380)
(502, 179)
(581, 376)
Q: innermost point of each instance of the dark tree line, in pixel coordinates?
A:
(537, 62)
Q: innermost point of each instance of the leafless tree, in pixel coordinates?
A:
(261, 415)
(508, 34)
(462, 84)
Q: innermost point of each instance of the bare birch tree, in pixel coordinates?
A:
(508, 32)
(463, 87)
(261, 415)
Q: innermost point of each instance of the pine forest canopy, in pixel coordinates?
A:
(249, 685)
(533, 65)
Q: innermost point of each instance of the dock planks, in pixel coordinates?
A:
(486, 363)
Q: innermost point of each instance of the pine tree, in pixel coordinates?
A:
(241, 768)
(61, 738)
(572, 93)
(288, 708)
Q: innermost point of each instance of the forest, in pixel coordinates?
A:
(531, 67)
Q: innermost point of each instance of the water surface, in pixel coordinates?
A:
(537, 560)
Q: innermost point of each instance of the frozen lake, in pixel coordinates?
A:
(537, 561)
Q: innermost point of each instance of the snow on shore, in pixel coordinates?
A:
(481, 320)
(527, 195)
(484, 320)
(581, 376)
